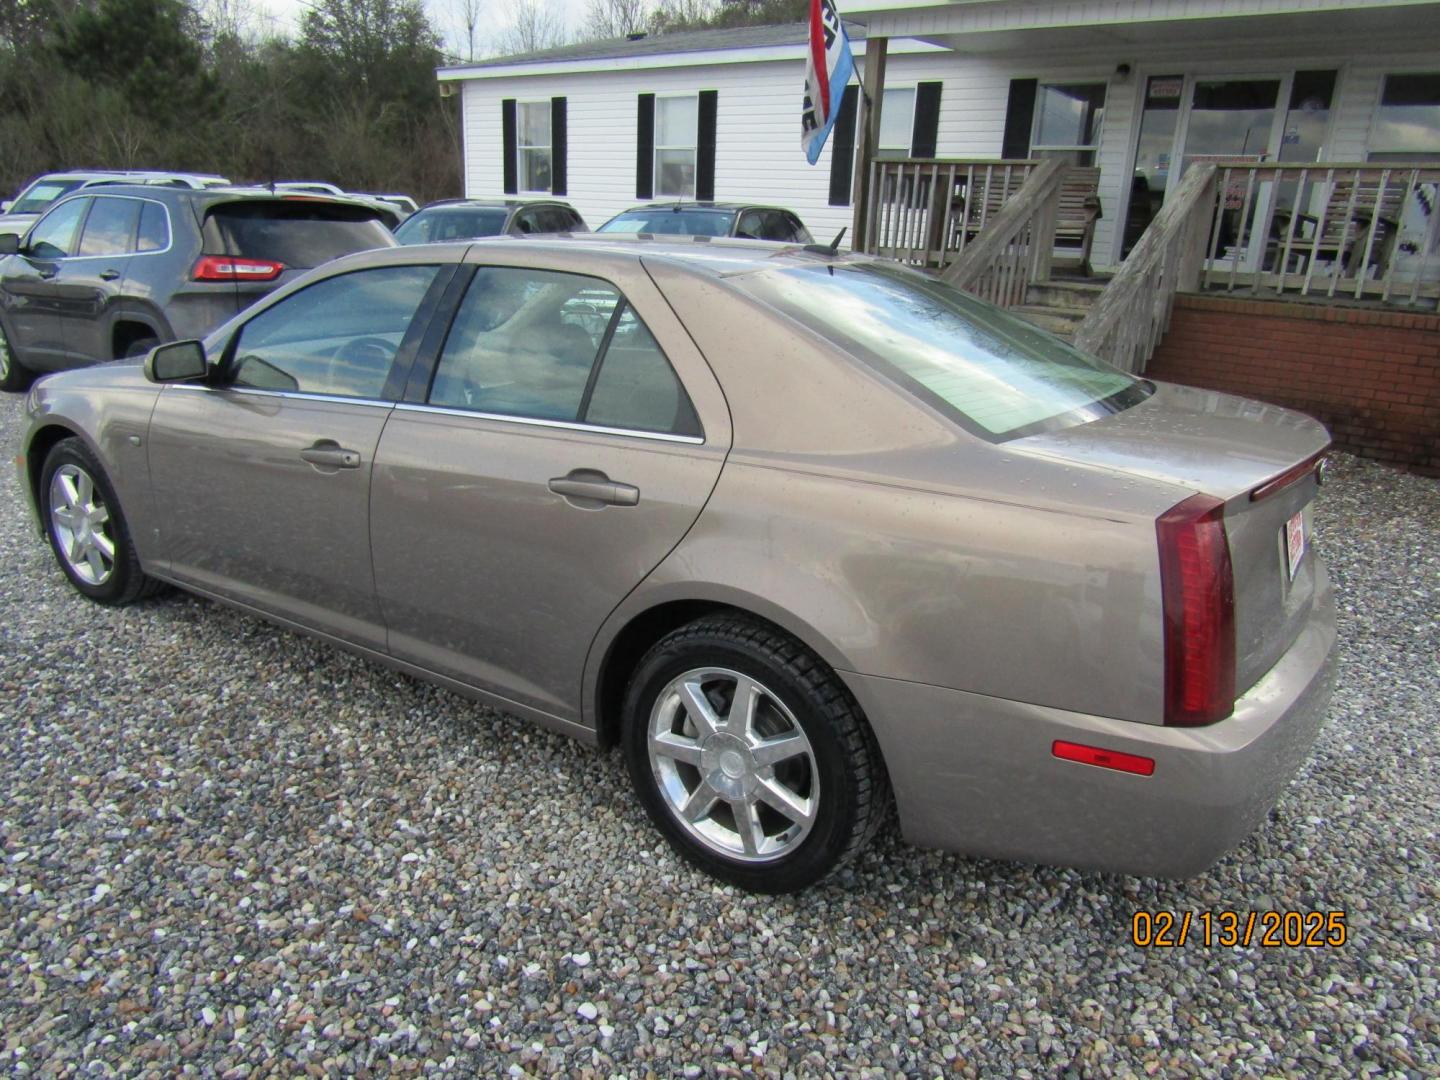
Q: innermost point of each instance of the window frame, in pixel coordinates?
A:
(134, 248)
(693, 147)
(1038, 149)
(896, 153)
(1391, 154)
(521, 147)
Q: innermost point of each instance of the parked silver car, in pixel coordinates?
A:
(793, 529)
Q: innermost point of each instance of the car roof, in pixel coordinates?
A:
(507, 203)
(228, 193)
(713, 256)
(717, 206)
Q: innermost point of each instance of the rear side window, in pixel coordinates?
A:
(154, 232)
(338, 337)
(299, 234)
(110, 228)
(636, 387)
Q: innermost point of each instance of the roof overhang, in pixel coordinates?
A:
(703, 58)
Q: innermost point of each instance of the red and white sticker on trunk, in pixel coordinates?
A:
(1295, 542)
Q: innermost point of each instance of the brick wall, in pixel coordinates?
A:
(1372, 376)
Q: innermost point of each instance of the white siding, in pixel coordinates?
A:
(758, 154)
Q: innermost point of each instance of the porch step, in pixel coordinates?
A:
(1061, 321)
(1075, 295)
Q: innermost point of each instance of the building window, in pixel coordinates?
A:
(677, 123)
(1068, 119)
(1407, 125)
(534, 145)
(897, 122)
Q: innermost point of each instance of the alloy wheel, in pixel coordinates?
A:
(81, 523)
(733, 765)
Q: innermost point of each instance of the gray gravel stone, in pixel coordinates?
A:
(231, 851)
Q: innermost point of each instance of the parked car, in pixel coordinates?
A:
(20, 213)
(710, 219)
(111, 271)
(469, 219)
(790, 527)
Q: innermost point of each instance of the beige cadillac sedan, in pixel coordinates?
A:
(796, 531)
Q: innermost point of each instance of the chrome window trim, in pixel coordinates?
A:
(169, 227)
(300, 395)
(563, 425)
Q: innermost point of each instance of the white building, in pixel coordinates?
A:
(1130, 86)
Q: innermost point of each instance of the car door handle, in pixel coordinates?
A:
(331, 455)
(109, 275)
(590, 486)
(48, 272)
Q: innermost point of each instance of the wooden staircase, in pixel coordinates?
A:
(1060, 305)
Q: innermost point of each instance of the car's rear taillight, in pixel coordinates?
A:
(1197, 588)
(231, 268)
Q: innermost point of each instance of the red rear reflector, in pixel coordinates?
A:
(1106, 759)
(1197, 589)
(231, 268)
(1289, 476)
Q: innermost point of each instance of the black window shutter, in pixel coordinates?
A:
(557, 146)
(1019, 116)
(645, 148)
(705, 147)
(842, 148)
(507, 124)
(926, 130)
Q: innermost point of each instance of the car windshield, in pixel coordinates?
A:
(998, 376)
(457, 223)
(39, 195)
(672, 221)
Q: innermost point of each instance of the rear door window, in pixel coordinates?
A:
(300, 234)
(338, 337)
(636, 388)
(522, 344)
(110, 228)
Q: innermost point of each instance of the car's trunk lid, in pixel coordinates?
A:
(1230, 448)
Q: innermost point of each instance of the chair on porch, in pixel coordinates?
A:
(1353, 204)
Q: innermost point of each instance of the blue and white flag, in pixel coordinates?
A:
(828, 68)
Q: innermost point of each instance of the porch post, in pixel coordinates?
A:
(867, 134)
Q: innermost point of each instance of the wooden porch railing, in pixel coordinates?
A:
(1132, 314)
(925, 212)
(1014, 248)
(1331, 229)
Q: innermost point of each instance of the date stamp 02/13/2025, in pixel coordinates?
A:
(1229, 929)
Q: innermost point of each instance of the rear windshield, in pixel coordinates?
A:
(299, 234)
(998, 376)
(461, 223)
(40, 195)
(668, 222)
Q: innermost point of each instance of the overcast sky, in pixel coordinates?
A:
(443, 13)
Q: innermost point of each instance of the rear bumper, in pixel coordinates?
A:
(976, 774)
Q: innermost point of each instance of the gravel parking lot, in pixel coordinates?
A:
(232, 851)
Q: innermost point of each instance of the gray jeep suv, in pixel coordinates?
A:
(109, 273)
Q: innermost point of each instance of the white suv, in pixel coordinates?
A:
(18, 214)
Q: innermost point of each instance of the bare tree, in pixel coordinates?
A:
(534, 25)
(466, 14)
(672, 15)
(606, 19)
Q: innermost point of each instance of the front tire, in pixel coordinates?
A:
(751, 756)
(86, 528)
(14, 376)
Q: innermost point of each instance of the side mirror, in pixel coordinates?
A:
(6, 205)
(9, 244)
(179, 361)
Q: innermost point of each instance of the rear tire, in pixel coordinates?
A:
(751, 756)
(14, 376)
(86, 528)
(138, 348)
